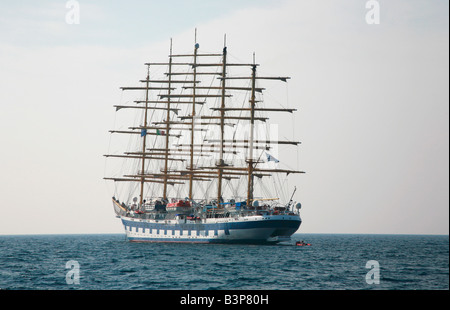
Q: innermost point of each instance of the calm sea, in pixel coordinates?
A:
(332, 262)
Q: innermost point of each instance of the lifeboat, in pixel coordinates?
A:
(301, 243)
(180, 205)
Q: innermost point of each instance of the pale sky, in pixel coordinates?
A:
(372, 100)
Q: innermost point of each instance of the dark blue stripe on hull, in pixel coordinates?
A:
(281, 224)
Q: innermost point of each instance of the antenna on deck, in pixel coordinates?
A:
(290, 201)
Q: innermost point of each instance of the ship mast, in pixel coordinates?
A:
(144, 134)
(252, 125)
(166, 160)
(191, 163)
(221, 162)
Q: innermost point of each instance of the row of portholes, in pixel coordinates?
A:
(172, 233)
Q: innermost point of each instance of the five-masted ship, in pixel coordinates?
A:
(197, 155)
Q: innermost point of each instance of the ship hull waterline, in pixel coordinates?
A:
(258, 229)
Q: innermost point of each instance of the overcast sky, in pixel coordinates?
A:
(372, 100)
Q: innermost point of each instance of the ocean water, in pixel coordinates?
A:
(332, 262)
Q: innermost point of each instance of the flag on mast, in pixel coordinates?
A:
(271, 158)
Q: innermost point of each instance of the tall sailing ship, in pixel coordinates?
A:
(200, 165)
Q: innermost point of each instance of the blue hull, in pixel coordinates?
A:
(250, 230)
